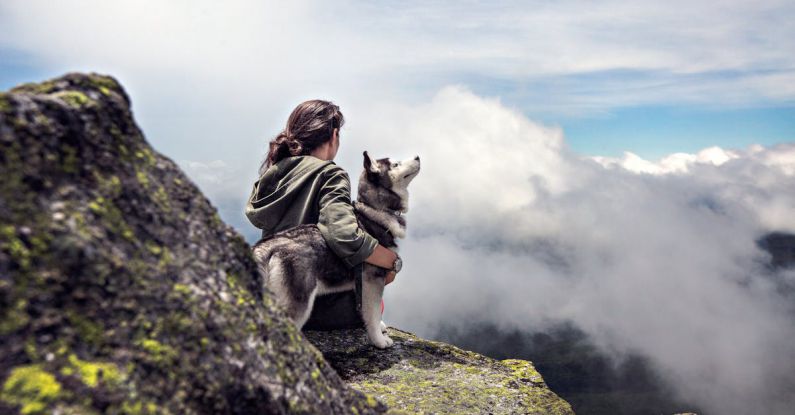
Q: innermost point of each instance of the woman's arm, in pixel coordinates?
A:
(382, 257)
(338, 224)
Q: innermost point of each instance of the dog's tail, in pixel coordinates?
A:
(262, 253)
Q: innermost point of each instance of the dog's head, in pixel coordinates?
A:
(384, 179)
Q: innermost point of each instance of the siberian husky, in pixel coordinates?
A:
(297, 265)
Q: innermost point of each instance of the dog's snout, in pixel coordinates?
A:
(417, 158)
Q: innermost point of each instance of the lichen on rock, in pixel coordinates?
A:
(120, 289)
(31, 388)
(418, 376)
(123, 292)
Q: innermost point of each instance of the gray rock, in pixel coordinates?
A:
(424, 377)
(121, 290)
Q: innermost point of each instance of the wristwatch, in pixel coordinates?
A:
(397, 265)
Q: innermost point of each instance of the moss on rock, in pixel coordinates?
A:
(31, 388)
(122, 291)
(74, 99)
(425, 377)
(114, 293)
(91, 373)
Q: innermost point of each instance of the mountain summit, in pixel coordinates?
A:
(122, 291)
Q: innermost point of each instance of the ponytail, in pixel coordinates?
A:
(283, 146)
(309, 126)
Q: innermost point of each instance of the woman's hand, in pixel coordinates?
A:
(389, 278)
(382, 257)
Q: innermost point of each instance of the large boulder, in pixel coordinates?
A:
(121, 290)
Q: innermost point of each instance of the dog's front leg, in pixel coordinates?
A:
(372, 291)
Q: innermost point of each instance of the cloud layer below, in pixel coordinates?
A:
(507, 225)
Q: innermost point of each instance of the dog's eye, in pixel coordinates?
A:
(394, 164)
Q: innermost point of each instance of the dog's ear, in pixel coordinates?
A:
(369, 164)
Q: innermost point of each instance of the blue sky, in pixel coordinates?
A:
(649, 130)
(656, 131)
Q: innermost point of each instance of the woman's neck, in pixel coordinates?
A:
(321, 152)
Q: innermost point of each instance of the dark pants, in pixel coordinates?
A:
(335, 311)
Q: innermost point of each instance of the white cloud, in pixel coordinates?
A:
(674, 163)
(737, 53)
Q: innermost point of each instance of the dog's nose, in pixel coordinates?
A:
(417, 158)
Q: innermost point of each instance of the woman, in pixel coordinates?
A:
(299, 183)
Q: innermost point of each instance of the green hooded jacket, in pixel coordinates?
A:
(305, 189)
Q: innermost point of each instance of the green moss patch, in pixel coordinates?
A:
(31, 388)
(158, 352)
(45, 87)
(74, 99)
(91, 373)
(123, 292)
(426, 377)
(5, 103)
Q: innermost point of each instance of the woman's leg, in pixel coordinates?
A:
(336, 311)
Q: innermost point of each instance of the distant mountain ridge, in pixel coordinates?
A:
(781, 246)
(583, 375)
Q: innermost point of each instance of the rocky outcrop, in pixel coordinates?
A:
(418, 376)
(123, 292)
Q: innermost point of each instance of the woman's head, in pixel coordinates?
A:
(310, 125)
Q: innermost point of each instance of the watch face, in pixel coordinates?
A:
(398, 264)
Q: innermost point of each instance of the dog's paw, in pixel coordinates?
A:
(382, 342)
(398, 231)
(383, 327)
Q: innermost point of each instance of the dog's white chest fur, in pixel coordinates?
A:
(383, 218)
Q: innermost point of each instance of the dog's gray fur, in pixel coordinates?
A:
(297, 265)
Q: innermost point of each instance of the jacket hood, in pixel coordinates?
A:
(277, 188)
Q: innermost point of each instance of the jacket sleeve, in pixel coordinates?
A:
(337, 220)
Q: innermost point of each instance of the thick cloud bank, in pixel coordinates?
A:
(507, 225)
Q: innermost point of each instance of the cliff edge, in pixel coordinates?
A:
(417, 376)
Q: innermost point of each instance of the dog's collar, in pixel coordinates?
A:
(388, 211)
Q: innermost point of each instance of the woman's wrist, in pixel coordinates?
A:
(397, 265)
(382, 257)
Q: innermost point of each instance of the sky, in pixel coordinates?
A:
(606, 163)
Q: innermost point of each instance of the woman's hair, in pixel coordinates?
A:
(309, 126)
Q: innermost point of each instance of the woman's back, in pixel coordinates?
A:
(305, 189)
(286, 194)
